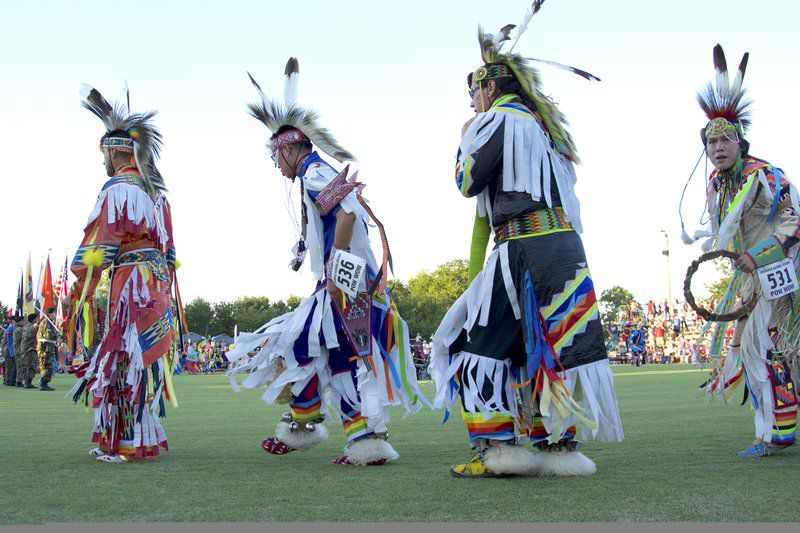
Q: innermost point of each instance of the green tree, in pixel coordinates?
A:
(724, 274)
(251, 312)
(224, 318)
(612, 301)
(426, 298)
(199, 316)
(292, 302)
(101, 291)
(4, 310)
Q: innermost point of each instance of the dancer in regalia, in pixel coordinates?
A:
(129, 234)
(347, 338)
(523, 346)
(753, 211)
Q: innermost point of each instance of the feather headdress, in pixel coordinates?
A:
(131, 131)
(275, 115)
(724, 103)
(528, 77)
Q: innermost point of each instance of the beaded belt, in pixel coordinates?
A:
(540, 222)
(154, 259)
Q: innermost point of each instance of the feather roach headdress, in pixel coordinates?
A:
(499, 64)
(128, 131)
(303, 124)
(724, 103)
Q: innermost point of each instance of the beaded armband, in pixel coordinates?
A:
(96, 255)
(766, 252)
(335, 191)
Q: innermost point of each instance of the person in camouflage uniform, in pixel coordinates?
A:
(27, 360)
(8, 354)
(17, 340)
(47, 338)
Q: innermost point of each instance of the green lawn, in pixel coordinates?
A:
(678, 463)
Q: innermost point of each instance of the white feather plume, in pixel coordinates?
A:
(535, 7)
(291, 84)
(721, 66)
(736, 87)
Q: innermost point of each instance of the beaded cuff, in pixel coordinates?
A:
(766, 252)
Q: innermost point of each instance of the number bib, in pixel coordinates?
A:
(348, 272)
(778, 279)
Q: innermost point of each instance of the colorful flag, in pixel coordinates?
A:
(60, 289)
(38, 293)
(27, 305)
(47, 287)
(61, 293)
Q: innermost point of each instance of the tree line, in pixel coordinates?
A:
(422, 302)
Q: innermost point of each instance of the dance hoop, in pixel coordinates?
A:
(705, 313)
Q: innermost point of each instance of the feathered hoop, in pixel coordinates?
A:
(274, 115)
(145, 138)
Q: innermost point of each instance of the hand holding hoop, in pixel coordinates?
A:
(745, 308)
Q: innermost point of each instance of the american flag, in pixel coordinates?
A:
(61, 283)
(62, 292)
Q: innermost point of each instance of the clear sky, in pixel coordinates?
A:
(388, 78)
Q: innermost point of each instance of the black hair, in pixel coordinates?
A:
(508, 85)
(116, 133)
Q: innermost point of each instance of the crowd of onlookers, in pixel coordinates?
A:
(643, 333)
(203, 357)
(659, 333)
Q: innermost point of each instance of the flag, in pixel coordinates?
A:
(60, 289)
(47, 287)
(27, 305)
(38, 294)
(61, 293)
(18, 310)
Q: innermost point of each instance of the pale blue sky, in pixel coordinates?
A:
(389, 80)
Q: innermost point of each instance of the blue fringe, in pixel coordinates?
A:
(536, 346)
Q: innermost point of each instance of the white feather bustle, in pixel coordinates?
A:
(563, 463)
(301, 439)
(365, 451)
(510, 459)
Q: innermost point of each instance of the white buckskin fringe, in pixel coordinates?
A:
(598, 398)
(274, 347)
(529, 160)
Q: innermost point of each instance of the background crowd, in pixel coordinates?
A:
(659, 333)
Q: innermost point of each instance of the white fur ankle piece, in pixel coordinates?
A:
(564, 464)
(510, 459)
(301, 439)
(365, 451)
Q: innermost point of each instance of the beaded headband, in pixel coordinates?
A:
(117, 143)
(286, 138)
(489, 72)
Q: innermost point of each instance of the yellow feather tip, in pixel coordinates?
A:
(177, 264)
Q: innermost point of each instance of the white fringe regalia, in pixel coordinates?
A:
(528, 162)
(273, 344)
(751, 210)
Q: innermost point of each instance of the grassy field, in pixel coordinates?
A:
(678, 463)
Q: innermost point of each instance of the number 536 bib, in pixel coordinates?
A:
(348, 272)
